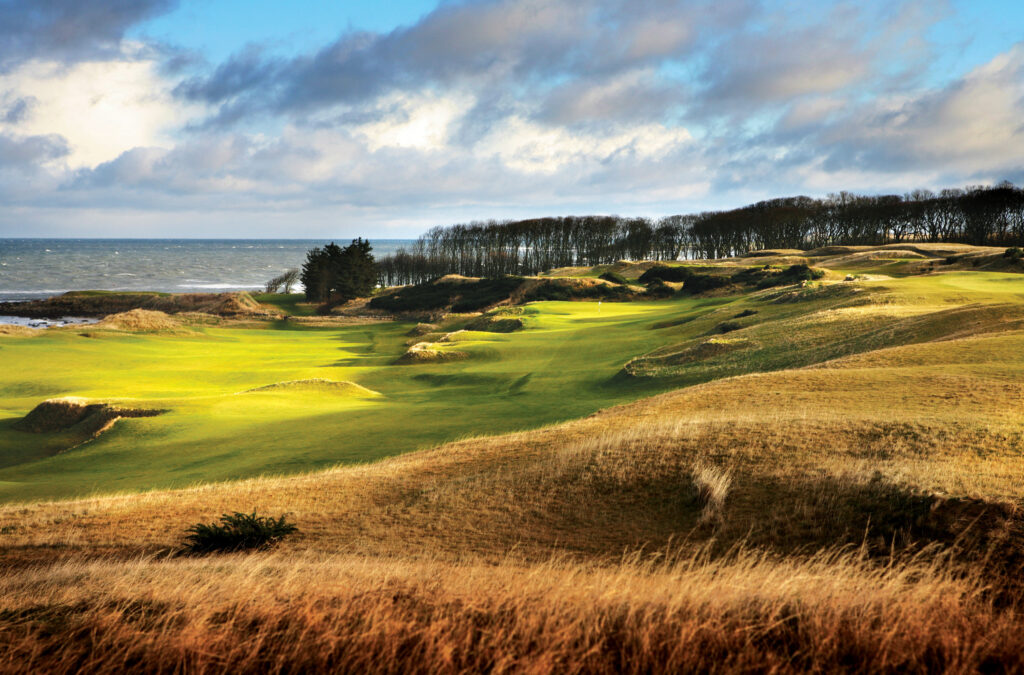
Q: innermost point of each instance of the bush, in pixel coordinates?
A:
(614, 277)
(767, 277)
(746, 312)
(1014, 253)
(468, 296)
(728, 326)
(659, 289)
(665, 273)
(698, 283)
(235, 532)
(555, 290)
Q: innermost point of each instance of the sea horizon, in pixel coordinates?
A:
(33, 268)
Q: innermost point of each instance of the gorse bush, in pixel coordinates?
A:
(557, 290)
(768, 277)
(1014, 253)
(614, 277)
(665, 273)
(659, 289)
(460, 296)
(236, 532)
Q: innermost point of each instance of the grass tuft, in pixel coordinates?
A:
(712, 485)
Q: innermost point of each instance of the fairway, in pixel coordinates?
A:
(562, 366)
(259, 399)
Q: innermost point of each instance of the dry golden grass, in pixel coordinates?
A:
(343, 613)
(140, 320)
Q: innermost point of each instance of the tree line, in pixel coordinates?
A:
(978, 215)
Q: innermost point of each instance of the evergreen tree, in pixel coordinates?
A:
(335, 274)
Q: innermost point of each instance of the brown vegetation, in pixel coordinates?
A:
(239, 304)
(140, 320)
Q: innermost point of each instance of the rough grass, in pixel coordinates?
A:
(140, 320)
(102, 303)
(343, 613)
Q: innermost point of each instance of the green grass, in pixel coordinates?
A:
(292, 304)
(562, 366)
(565, 364)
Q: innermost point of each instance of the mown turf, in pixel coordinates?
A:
(562, 366)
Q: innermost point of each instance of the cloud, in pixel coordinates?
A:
(69, 30)
(26, 152)
(500, 107)
(523, 46)
(100, 108)
(637, 96)
(15, 109)
(972, 126)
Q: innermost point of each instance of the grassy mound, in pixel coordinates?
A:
(710, 348)
(341, 388)
(422, 329)
(496, 324)
(76, 415)
(9, 330)
(424, 352)
(140, 320)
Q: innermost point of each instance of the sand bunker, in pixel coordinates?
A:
(341, 387)
(76, 414)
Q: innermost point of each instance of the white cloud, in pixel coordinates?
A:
(530, 147)
(417, 120)
(101, 108)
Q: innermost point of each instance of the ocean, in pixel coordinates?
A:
(40, 268)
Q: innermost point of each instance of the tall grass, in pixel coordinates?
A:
(267, 613)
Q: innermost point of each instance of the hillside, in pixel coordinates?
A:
(785, 478)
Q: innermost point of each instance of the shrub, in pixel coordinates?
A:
(665, 273)
(698, 283)
(728, 326)
(746, 312)
(235, 532)
(468, 296)
(1014, 253)
(791, 275)
(556, 290)
(614, 277)
(949, 260)
(659, 289)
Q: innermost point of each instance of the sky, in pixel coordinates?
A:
(318, 119)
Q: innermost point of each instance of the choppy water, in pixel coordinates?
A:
(39, 268)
